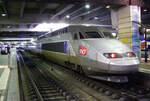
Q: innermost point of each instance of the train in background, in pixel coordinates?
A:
(90, 50)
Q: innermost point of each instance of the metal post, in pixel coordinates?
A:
(8, 60)
(145, 45)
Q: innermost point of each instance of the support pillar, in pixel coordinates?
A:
(114, 18)
(128, 30)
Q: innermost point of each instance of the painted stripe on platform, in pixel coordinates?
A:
(3, 66)
(3, 81)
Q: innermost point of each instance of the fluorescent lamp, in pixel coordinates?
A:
(87, 6)
(67, 16)
(108, 6)
(49, 26)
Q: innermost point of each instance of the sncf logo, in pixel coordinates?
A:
(82, 51)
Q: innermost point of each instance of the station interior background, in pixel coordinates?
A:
(21, 22)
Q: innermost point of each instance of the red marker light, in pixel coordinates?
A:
(129, 54)
(113, 55)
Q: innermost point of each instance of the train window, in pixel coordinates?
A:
(93, 35)
(81, 36)
(75, 36)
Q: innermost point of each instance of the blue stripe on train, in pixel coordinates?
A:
(65, 46)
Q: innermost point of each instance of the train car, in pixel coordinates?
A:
(90, 50)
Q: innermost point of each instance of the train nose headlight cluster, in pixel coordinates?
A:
(112, 55)
(130, 54)
(119, 55)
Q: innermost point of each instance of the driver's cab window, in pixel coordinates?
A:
(75, 36)
(81, 36)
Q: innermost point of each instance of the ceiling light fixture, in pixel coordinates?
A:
(67, 16)
(49, 26)
(87, 6)
(108, 6)
(3, 14)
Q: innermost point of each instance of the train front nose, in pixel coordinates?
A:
(124, 65)
(113, 57)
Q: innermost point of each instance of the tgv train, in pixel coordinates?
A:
(90, 50)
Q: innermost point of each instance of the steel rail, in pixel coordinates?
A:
(32, 81)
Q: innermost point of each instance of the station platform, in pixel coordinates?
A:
(9, 86)
(145, 66)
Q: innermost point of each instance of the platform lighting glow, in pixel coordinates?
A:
(87, 6)
(3, 14)
(67, 16)
(108, 6)
(49, 26)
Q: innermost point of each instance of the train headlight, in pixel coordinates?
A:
(112, 55)
(130, 54)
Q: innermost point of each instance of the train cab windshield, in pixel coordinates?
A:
(92, 35)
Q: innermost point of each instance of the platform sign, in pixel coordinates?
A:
(124, 40)
(135, 16)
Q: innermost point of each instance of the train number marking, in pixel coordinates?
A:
(82, 51)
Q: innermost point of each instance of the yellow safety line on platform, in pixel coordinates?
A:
(3, 81)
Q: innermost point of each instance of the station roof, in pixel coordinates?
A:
(19, 17)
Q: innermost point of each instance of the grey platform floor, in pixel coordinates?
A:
(9, 86)
(1, 71)
(3, 59)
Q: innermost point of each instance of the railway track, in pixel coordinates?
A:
(72, 86)
(49, 89)
(98, 90)
(39, 87)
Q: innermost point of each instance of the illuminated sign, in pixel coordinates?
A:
(135, 16)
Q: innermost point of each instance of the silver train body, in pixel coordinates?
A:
(91, 50)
